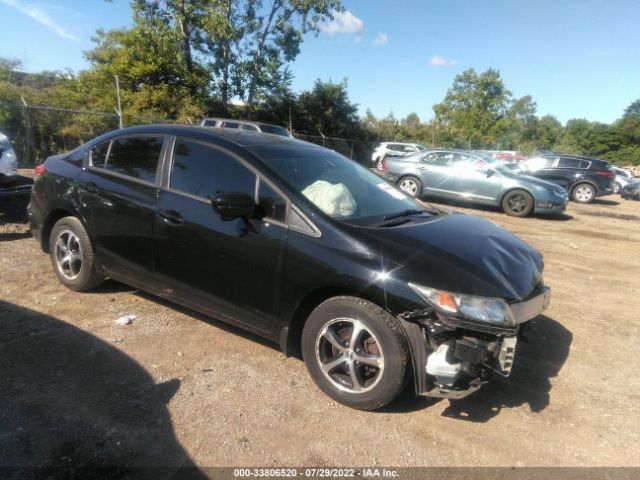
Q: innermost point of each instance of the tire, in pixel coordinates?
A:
(72, 256)
(410, 185)
(583, 193)
(517, 203)
(616, 187)
(365, 373)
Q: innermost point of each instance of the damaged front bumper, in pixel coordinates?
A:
(453, 358)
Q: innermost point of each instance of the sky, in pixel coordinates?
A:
(576, 58)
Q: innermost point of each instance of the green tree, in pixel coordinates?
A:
(473, 106)
(327, 110)
(633, 110)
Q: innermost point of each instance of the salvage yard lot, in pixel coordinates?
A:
(175, 387)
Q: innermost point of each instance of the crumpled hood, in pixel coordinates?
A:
(539, 182)
(460, 253)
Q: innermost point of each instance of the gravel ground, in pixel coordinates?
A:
(176, 388)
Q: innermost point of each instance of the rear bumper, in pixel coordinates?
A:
(604, 191)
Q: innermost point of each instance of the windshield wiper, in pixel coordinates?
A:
(406, 213)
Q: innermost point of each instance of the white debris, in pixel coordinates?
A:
(126, 320)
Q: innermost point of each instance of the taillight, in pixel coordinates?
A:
(39, 170)
(606, 174)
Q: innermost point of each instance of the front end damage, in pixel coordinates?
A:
(453, 358)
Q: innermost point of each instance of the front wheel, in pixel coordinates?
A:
(355, 352)
(72, 255)
(411, 186)
(584, 193)
(517, 203)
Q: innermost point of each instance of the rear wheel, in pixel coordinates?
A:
(72, 255)
(355, 352)
(517, 203)
(616, 187)
(411, 186)
(584, 193)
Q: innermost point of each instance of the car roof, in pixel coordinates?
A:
(255, 142)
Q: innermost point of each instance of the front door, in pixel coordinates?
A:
(477, 181)
(232, 268)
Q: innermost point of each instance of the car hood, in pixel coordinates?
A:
(462, 254)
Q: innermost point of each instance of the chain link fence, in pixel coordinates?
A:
(36, 132)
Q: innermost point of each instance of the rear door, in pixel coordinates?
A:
(232, 268)
(117, 194)
(436, 174)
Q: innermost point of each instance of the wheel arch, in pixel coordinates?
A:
(51, 220)
(291, 332)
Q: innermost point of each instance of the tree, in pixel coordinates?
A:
(275, 36)
(326, 110)
(633, 110)
(473, 106)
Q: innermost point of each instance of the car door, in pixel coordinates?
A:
(540, 167)
(116, 195)
(564, 171)
(435, 173)
(232, 268)
(476, 180)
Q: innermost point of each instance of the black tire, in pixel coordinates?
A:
(405, 184)
(616, 187)
(80, 273)
(380, 341)
(583, 193)
(517, 203)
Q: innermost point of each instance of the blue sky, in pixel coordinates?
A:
(576, 58)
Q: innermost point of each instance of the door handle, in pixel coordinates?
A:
(90, 187)
(170, 217)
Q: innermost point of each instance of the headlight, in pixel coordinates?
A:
(478, 309)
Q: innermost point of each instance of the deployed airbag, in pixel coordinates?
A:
(334, 200)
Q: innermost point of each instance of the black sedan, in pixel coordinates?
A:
(298, 244)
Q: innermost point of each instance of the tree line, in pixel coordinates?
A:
(185, 59)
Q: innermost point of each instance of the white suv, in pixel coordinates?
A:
(8, 161)
(393, 149)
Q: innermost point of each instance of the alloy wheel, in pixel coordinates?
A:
(517, 203)
(584, 193)
(408, 185)
(68, 254)
(349, 355)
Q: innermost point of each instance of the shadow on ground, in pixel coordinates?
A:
(74, 406)
(537, 359)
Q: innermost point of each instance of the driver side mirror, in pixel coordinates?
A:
(232, 205)
(489, 172)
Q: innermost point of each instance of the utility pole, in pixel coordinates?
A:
(27, 128)
(290, 123)
(119, 109)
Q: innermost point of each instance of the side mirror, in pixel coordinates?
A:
(232, 205)
(489, 172)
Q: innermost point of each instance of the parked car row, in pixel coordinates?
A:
(300, 245)
(518, 185)
(393, 149)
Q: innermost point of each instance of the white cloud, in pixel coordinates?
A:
(37, 14)
(343, 22)
(381, 39)
(440, 62)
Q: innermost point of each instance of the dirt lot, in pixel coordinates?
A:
(175, 388)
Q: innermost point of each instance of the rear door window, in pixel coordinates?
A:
(204, 171)
(231, 125)
(135, 157)
(567, 162)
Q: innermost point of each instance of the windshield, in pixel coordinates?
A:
(421, 147)
(341, 188)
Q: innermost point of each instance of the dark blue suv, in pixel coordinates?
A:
(585, 178)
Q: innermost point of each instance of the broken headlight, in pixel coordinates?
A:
(477, 309)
